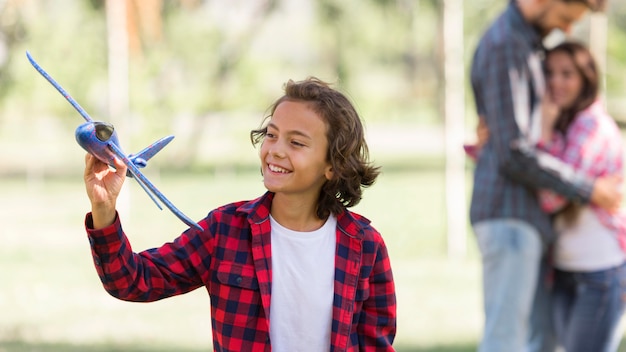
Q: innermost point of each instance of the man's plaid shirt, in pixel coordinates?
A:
(232, 259)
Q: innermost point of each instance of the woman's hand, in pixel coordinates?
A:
(550, 113)
(103, 185)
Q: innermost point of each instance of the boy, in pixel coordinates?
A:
(290, 270)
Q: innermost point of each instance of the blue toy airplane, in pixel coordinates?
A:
(100, 139)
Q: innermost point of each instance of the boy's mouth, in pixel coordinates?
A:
(278, 169)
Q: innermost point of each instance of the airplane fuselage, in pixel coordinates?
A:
(95, 137)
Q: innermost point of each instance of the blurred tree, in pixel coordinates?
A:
(191, 60)
(144, 24)
(12, 31)
(230, 51)
(335, 32)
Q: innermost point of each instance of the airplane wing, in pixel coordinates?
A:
(45, 74)
(150, 188)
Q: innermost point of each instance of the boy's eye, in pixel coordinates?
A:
(297, 144)
(269, 135)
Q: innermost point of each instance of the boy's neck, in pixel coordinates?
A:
(296, 214)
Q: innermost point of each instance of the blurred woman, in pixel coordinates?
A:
(589, 252)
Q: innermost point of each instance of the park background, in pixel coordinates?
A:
(206, 71)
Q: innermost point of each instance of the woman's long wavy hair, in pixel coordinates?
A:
(347, 149)
(587, 69)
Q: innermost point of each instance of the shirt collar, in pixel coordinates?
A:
(519, 25)
(258, 211)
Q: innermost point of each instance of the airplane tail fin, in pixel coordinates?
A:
(141, 159)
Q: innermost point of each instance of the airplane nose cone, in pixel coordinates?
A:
(84, 134)
(94, 138)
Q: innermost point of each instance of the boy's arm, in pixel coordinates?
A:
(377, 326)
(141, 277)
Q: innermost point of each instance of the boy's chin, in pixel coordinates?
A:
(270, 187)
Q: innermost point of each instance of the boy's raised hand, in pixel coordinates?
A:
(103, 185)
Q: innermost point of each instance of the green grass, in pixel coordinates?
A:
(51, 298)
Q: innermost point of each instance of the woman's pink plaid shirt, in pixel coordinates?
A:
(592, 146)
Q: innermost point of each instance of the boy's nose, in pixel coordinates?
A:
(276, 151)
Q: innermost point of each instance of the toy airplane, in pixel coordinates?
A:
(100, 139)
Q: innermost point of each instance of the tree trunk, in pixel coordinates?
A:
(454, 102)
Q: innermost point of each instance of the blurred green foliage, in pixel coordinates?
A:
(202, 58)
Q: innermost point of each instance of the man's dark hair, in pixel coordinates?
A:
(593, 5)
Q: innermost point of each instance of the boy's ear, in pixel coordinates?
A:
(329, 173)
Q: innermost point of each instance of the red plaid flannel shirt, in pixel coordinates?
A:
(232, 259)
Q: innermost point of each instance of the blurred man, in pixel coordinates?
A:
(511, 230)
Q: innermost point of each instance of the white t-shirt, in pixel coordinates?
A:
(303, 275)
(586, 244)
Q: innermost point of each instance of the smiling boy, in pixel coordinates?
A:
(292, 270)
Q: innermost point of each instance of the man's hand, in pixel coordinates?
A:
(607, 192)
(482, 132)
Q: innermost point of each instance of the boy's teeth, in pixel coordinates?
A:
(277, 169)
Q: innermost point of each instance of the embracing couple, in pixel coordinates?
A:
(547, 187)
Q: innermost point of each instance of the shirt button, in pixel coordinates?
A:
(239, 279)
(96, 260)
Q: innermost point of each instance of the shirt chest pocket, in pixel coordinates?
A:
(235, 297)
(237, 275)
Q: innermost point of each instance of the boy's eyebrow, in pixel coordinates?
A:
(293, 132)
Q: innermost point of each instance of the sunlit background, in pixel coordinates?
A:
(206, 71)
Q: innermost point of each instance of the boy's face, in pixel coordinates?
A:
(293, 153)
